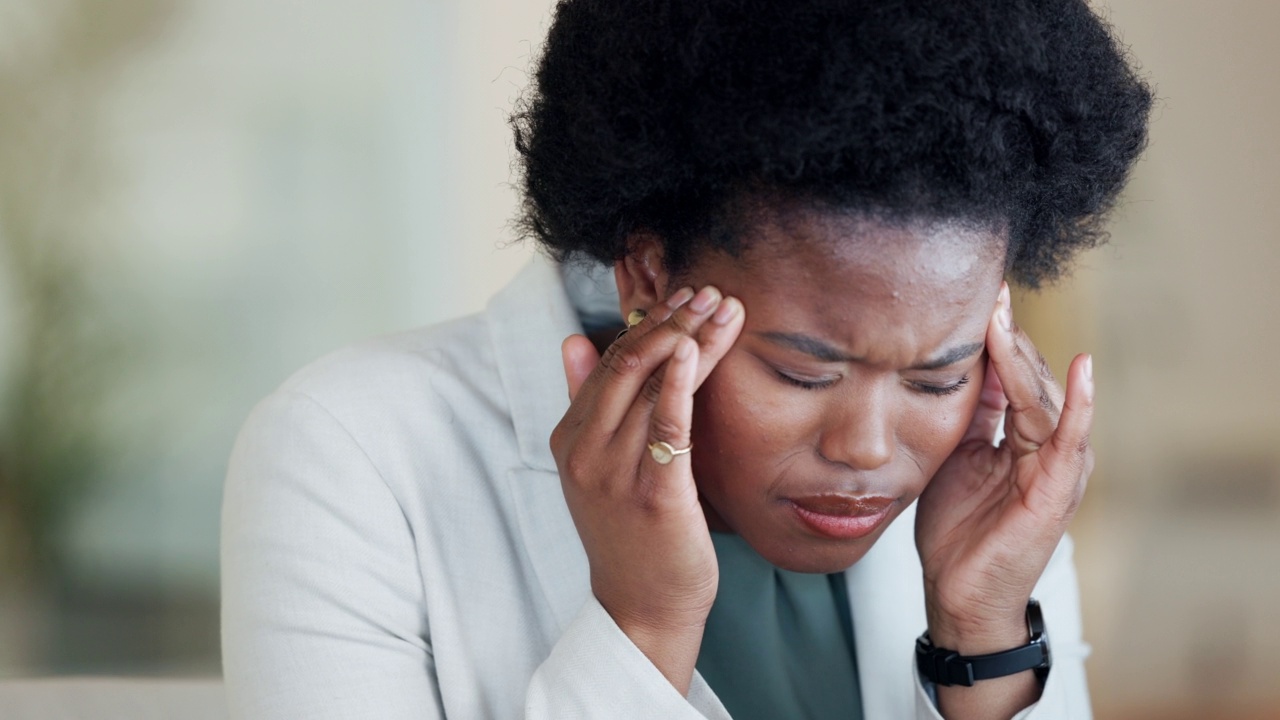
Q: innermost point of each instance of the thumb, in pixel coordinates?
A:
(580, 358)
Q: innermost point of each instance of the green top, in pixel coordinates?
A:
(779, 644)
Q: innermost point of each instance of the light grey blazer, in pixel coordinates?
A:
(396, 545)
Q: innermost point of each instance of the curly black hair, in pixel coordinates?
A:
(663, 116)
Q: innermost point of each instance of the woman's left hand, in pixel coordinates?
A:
(992, 516)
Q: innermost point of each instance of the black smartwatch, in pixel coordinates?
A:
(948, 667)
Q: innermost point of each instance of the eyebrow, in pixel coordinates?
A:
(826, 353)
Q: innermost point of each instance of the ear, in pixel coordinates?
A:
(642, 278)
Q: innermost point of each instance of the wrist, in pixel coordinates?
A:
(654, 620)
(979, 635)
(948, 667)
(672, 648)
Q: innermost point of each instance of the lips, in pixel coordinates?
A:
(842, 517)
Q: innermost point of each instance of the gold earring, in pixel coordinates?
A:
(634, 318)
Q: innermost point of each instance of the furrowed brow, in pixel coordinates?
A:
(826, 353)
(808, 345)
(950, 357)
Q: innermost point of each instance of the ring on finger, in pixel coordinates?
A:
(663, 453)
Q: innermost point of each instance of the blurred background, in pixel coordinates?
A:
(197, 197)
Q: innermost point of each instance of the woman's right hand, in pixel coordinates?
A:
(653, 567)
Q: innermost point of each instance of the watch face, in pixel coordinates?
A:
(1039, 636)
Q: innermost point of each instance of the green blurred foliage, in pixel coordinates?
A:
(56, 58)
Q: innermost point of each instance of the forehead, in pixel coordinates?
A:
(869, 285)
(811, 242)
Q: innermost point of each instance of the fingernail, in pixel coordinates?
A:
(706, 298)
(684, 348)
(1088, 367)
(680, 297)
(1006, 308)
(726, 312)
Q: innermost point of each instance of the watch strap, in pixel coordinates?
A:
(948, 667)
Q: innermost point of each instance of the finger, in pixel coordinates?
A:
(1067, 459)
(627, 365)
(991, 407)
(1035, 399)
(716, 337)
(714, 340)
(580, 358)
(659, 314)
(590, 386)
(671, 423)
(673, 412)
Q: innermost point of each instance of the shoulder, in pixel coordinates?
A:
(452, 370)
(424, 397)
(453, 404)
(412, 371)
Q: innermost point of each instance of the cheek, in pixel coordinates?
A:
(726, 421)
(743, 421)
(938, 424)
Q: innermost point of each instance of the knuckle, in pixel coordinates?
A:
(658, 315)
(559, 438)
(606, 358)
(1042, 365)
(647, 494)
(652, 389)
(1073, 504)
(1031, 358)
(1046, 400)
(682, 322)
(1020, 352)
(624, 360)
(576, 467)
(655, 495)
(668, 430)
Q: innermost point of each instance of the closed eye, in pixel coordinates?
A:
(806, 384)
(942, 390)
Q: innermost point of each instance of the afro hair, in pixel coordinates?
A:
(669, 116)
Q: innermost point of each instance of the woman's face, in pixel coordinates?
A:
(856, 374)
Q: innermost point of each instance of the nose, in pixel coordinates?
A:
(859, 431)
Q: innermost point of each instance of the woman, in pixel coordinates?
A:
(804, 210)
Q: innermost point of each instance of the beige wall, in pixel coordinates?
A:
(1179, 540)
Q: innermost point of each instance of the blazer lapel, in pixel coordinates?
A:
(528, 320)
(551, 543)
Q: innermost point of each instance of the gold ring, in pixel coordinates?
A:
(663, 453)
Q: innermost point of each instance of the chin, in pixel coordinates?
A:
(810, 555)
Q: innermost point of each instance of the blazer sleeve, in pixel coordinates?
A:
(322, 599)
(1066, 691)
(594, 653)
